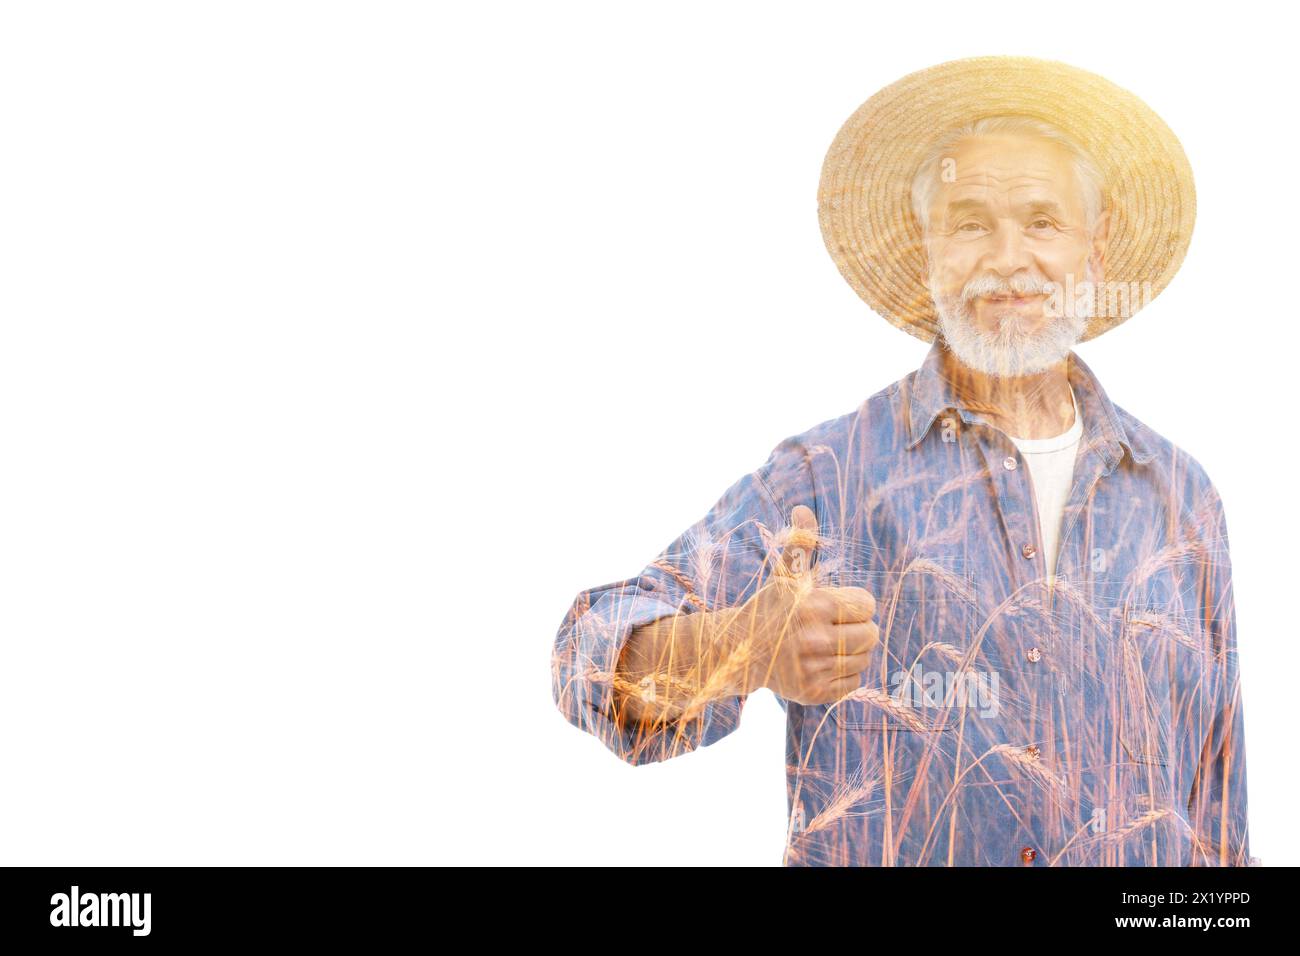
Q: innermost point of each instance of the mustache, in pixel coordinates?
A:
(987, 285)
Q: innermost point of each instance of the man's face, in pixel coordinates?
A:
(1010, 221)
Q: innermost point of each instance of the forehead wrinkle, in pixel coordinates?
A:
(996, 174)
(986, 161)
(984, 178)
(1045, 190)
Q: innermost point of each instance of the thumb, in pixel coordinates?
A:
(801, 538)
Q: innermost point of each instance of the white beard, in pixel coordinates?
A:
(1011, 350)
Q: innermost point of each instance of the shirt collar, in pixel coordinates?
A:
(932, 393)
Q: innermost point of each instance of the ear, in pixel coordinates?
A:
(927, 262)
(1099, 241)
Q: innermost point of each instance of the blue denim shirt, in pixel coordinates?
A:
(1005, 719)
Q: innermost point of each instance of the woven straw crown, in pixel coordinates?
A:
(864, 198)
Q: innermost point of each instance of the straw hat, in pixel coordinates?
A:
(864, 199)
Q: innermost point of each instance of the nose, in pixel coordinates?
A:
(1008, 253)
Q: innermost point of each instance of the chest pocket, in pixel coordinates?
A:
(917, 682)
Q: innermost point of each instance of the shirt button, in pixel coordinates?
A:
(1009, 463)
(1034, 655)
(1029, 551)
(1028, 854)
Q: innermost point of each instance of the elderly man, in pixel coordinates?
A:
(996, 607)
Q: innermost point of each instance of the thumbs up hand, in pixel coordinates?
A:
(808, 643)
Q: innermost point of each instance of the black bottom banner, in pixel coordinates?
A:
(371, 905)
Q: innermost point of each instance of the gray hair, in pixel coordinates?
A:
(1087, 172)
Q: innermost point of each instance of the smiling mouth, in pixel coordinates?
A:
(1010, 299)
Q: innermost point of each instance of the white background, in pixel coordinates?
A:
(345, 343)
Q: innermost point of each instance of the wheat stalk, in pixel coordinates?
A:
(882, 700)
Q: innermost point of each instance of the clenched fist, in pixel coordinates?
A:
(809, 644)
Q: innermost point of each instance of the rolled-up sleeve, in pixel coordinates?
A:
(718, 562)
(1218, 806)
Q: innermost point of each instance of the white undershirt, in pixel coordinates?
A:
(1051, 469)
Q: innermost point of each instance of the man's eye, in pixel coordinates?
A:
(1042, 224)
(969, 225)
